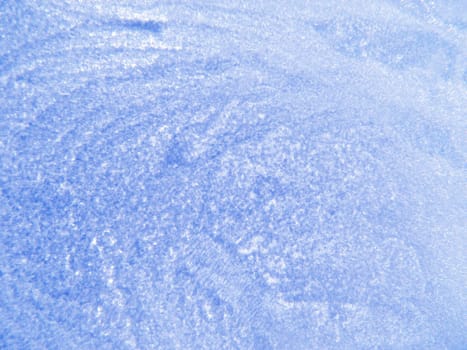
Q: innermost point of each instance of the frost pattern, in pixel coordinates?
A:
(233, 175)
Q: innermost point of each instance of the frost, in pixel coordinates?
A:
(233, 174)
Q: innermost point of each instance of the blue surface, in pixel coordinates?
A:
(233, 174)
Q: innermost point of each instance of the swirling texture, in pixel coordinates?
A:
(233, 174)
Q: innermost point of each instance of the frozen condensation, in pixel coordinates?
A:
(203, 174)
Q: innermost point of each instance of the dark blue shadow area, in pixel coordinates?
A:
(138, 25)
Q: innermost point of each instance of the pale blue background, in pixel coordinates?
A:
(233, 174)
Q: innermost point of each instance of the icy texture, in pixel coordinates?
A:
(233, 174)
